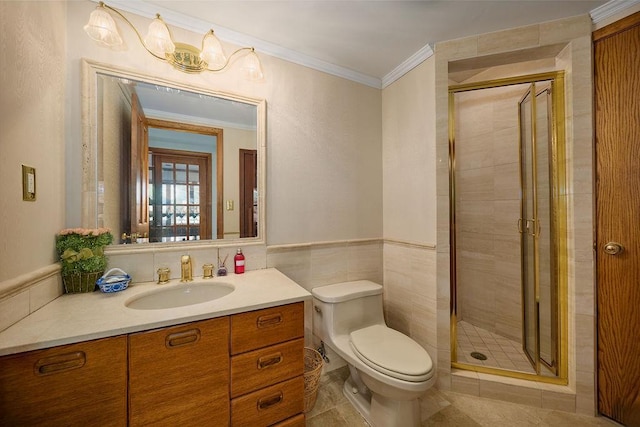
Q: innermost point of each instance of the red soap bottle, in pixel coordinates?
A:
(238, 262)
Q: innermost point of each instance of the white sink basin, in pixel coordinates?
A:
(180, 296)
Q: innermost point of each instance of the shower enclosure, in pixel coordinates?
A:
(508, 233)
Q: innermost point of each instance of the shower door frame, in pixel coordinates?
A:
(559, 212)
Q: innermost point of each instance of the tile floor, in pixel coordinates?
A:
(501, 352)
(446, 409)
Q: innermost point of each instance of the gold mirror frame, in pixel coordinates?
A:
(90, 184)
(558, 190)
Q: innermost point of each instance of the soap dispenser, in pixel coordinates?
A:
(238, 262)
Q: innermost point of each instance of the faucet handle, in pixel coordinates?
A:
(207, 271)
(163, 275)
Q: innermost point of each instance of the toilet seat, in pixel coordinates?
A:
(392, 353)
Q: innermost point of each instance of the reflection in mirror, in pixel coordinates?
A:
(172, 163)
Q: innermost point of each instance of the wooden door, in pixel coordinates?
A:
(248, 193)
(180, 189)
(617, 131)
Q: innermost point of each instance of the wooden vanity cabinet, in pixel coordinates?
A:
(267, 366)
(179, 376)
(244, 370)
(71, 385)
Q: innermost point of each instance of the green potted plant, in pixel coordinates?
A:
(81, 253)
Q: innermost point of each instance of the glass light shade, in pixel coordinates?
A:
(158, 39)
(102, 28)
(212, 52)
(251, 68)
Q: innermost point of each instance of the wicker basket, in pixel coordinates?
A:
(80, 282)
(312, 369)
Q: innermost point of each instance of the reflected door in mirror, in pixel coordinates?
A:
(248, 193)
(180, 196)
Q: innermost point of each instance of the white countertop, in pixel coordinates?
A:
(73, 318)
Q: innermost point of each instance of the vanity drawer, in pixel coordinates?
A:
(260, 368)
(261, 328)
(269, 405)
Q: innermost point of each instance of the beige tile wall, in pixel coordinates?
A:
(487, 209)
(410, 292)
(27, 293)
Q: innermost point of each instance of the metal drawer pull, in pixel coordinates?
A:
(60, 363)
(270, 360)
(269, 320)
(267, 402)
(182, 338)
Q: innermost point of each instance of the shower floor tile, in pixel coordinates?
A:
(501, 352)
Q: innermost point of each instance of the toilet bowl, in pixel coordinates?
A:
(388, 370)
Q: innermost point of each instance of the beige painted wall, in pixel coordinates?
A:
(408, 141)
(32, 83)
(323, 136)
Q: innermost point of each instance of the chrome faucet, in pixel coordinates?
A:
(186, 270)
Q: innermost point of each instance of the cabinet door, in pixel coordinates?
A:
(73, 385)
(179, 376)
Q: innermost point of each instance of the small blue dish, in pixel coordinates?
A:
(110, 283)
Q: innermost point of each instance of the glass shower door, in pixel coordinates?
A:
(546, 281)
(536, 228)
(508, 249)
(527, 227)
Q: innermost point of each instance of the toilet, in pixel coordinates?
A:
(388, 370)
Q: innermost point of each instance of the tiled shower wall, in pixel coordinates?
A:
(487, 209)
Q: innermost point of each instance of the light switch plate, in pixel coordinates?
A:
(28, 183)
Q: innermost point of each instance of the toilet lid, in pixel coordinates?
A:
(391, 352)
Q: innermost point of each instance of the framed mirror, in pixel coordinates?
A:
(167, 162)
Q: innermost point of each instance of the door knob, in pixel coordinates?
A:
(613, 248)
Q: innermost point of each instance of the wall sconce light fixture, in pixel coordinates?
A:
(159, 43)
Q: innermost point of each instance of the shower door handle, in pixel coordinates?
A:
(613, 248)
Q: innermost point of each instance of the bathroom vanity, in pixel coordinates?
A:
(222, 362)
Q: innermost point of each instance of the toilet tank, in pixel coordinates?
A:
(345, 307)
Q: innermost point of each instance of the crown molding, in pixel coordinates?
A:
(197, 25)
(407, 65)
(610, 8)
(234, 37)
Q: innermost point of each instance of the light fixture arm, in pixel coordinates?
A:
(229, 59)
(117, 12)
